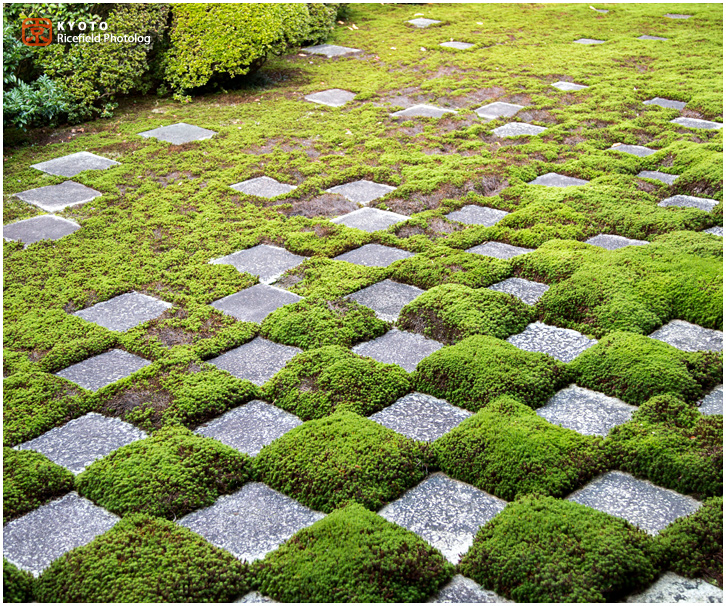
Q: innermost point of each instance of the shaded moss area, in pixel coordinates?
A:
(18, 584)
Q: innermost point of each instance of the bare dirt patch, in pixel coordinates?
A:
(325, 205)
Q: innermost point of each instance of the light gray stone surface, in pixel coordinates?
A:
(671, 588)
(601, 10)
(421, 22)
(263, 187)
(180, 133)
(472, 214)
(499, 250)
(569, 86)
(334, 97)
(444, 512)
(251, 427)
(518, 129)
(667, 103)
(689, 337)
(257, 361)
(706, 204)
(587, 412)
(252, 522)
(717, 230)
(387, 298)
(264, 261)
(362, 192)
(53, 198)
(370, 219)
(612, 242)
(563, 344)
(658, 176)
(421, 417)
(696, 123)
(104, 369)
(35, 229)
(677, 16)
(651, 38)
(641, 503)
(72, 164)
(525, 290)
(255, 303)
(423, 111)
(462, 590)
(457, 45)
(498, 109)
(589, 41)
(330, 50)
(557, 180)
(374, 255)
(635, 150)
(124, 311)
(712, 404)
(82, 441)
(34, 541)
(255, 597)
(406, 349)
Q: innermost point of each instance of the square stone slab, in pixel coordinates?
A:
(421, 417)
(255, 597)
(477, 215)
(423, 111)
(689, 337)
(334, 97)
(251, 427)
(53, 198)
(82, 441)
(677, 16)
(251, 522)
(44, 227)
(601, 10)
(658, 176)
(569, 86)
(611, 242)
(330, 50)
(72, 164)
(370, 219)
(264, 261)
(255, 303)
(498, 109)
(386, 298)
(374, 255)
(558, 180)
(518, 129)
(257, 361)
(177, 134)
(362, 192)
(263, 187)
(444, 512)
(406, 349)
(462, 590)
(34, 541)
(651, 38)
(587, 412)
(589, 41)
(712, 404)
(456, 45)
(563, 344)
(104, 369)
(124, 312)
(696, 123)
(527, 291)
(499, 250)
(716, 231)
(641, 503)
(635, 150)
(421, 22)
(671, 588)
(667, 103)
(706, 204)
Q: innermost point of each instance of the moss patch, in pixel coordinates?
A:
(17, 584)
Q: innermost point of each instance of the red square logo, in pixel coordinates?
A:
(37, 31)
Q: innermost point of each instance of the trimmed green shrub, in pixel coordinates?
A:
(541, 549)
(353, 555)
(509, 451)
(318, 382)
(29, 480)
(17, 584)
(479, 369)
(144, 559)
(321, 22)
(168, 474)
(32, 104)
(344, 457)
(451, 312)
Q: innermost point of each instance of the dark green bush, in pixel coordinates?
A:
(541, 549)
(168, 474)
(144, 559)
(353, 555)
(17, 584)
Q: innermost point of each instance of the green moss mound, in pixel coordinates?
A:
(29, 480)
(318, 382)
(343, 457)
(541, 549)
(353, 555)
(168, 474)
(479, 369)
(17, 584)
(144, 559)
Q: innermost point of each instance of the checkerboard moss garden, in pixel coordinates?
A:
(160, 133)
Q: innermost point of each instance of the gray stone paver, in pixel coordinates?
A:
(658, 176)
(35, 229)
(499, 250)
(53, 198)
(330, 50)
(124, 311)
(564, 344)
(706, 204)
(423, 111)
(334, 97)
(473, 214)
(601, 10)
(689, 337)
(104, 369)
(251, 427)
(34, 541)
(263, 187)
(667, 103)
(641, 503)
(251, 522)
(671, 588)
(406, 349)
(255, 597)
(457, 45)
(717, 230)
(635, 150)
(651, 38)
(374, 255)
(255, 303)
(589, 41)
(256, 361)
(370, 219)
(387, 298)
(677, 16)
(612, 242)
(72, 164)
(569, 86)
(462, 590)
(421, 417)
(696, 123)
(499, 109)
(558, 180)
(527, 291)
(421, 22)
(712, 404)
(265, 261)
(82, 441)
(362, 192)
(179, 133)
(585, 411)
(518, 129)
(444, 512)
